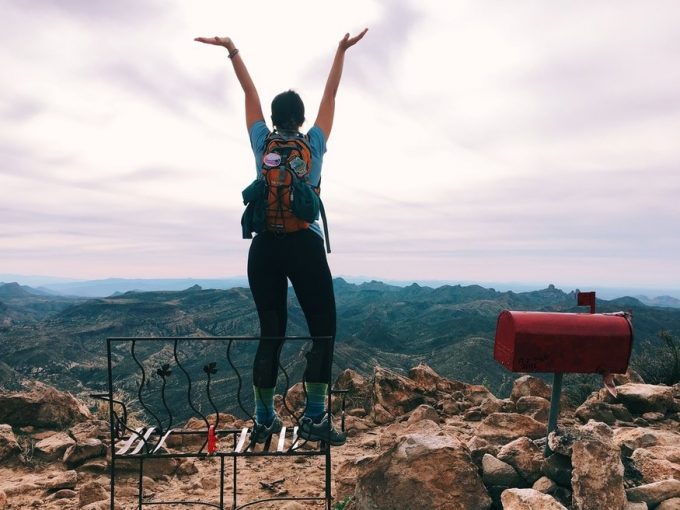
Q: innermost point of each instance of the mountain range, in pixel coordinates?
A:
(62, 340)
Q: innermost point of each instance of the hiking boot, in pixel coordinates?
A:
(261, 432)
(321, 431)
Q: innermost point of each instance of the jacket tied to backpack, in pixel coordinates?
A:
(281, 199)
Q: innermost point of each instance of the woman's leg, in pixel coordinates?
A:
(269, 286)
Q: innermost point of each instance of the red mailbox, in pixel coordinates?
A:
(563, 342)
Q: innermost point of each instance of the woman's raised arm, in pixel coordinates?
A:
(324, 118)
(253, 106)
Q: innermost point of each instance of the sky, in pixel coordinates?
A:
(524, 141)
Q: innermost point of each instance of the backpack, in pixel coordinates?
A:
(281, 199)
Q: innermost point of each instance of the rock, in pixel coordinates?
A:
(60, 480)
(430, 381)
(528, 499)
(424, 412)
(641, 437)
(396, 394)
(92, 492)
(63, 494)
(631, 376)
(474, 414)
(597, 472)
(421, 471)
(294, 401)
(490, 405)
(92, 429)
(9, 447)
(655, 493)
(478, 447)
(562, 439)
(42, 407)
(80, 452)
(359, 391)
(187, 468)
(669, 504)
(355, 425)
(558, 467)
(635, 506)
(536, 407)
(505, 427)
(448, 406)
(154, 468)
(530, 386)
(54, 446)
(381, 416)
(654, 464)
(476, 394)
(497, 472)
(97, 465)
(525, 456)
(544, 485)
(653, 417)
(3, 500)
(604, 412)
(642, 398)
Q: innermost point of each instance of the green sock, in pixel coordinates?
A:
(316, 399)
(264, 405)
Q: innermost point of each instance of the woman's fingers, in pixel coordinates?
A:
(217, 41)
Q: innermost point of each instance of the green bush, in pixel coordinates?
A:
(659, 363)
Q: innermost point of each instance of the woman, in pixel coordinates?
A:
(299, 256)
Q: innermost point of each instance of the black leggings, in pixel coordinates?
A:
(300, 257)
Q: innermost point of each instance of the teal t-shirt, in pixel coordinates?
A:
(317, 144)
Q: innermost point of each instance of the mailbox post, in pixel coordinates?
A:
(564, 343)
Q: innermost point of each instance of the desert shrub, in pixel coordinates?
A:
(659, 363)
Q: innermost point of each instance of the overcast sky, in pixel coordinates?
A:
(524, 141)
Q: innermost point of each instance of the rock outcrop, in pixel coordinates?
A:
(415, 441)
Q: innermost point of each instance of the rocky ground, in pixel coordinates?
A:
(415, 442)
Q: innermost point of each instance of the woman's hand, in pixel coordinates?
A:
(348, 42)
(217, 41)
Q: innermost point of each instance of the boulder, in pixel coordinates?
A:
(655, 493)
(3, 500)
(56, 480)
(544, 485)
(424, 412)
(78, 453)
(597, 471)
(562, 439)
(604, 412)
(430, 381)
(294, 401)
(657, 463)
(92, 492)
(635, 506)
(9, 447)
(530, 386)
(359, 391)
(476, 394)
(669, 504)
(505, 427)
(42, 407)
(631, 439)
(529, 499)
(395, 394)
(92, 429)
(421, 471)
(496, 472)
(643, 398)
(525, 456)
(558, 467)
(536, 407)
(54, 446)
(479, 447)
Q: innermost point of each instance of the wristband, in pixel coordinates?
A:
(233, 53)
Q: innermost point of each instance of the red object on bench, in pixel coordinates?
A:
(563, 342)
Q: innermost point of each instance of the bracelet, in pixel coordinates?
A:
(233, 53)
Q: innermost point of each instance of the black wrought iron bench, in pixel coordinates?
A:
(156, 383)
